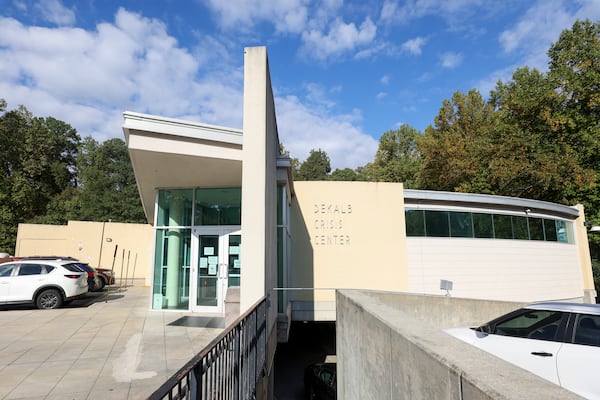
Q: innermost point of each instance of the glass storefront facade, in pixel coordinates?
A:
(179, 211)
(455, 224)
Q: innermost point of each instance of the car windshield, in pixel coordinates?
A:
(72, 267)
(534, 324)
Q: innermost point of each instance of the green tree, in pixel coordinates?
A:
(346, 174)
(397, 158)
(107, 189)
(574, 70)
(544, 163)
(38, 162)
(316, 167)
(457, 149)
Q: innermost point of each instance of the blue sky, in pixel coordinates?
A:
(343, 72)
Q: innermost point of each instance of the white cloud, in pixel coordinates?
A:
(317, 95)
(388, 10)
(385, 80)
(395, 11)
(20, 5)
(533, 34)
(538, 27)
(341, 38)
(53, 11)
(541, 25)
(88, 78)
(302, 129)
(286, 15)
(413, 46)
(451, 59)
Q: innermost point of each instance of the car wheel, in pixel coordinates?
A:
(101, 284)
(49, 299)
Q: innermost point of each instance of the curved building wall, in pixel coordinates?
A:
(542, 258)
(495, 269)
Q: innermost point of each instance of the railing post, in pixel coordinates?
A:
(237, 363)
(195, 383)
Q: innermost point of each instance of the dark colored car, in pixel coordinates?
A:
(320, 381)
(93, 279)
(106, 277)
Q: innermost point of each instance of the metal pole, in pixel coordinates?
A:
(127, 271)
(134, 264)
(122, 264)
(101, 245)
(112, 268)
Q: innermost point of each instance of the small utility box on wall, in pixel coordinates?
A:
(446, 285)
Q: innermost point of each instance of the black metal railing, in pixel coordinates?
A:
(229, 367)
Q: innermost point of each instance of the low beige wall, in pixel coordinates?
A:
(126, 248)
(391, 346)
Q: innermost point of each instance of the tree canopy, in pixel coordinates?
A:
(38, 161)
(315, 168)
(49, 175)
(397, 158)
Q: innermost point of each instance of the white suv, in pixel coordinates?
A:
(46, 283)
(557, 341)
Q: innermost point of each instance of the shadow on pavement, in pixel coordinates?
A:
(108, 294)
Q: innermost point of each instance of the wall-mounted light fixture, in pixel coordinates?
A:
(108, 240)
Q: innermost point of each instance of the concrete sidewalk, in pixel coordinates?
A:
(107, 346)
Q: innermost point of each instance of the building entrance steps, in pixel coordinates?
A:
(109, 345)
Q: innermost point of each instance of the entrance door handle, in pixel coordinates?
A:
(541, 354)
(223, 270)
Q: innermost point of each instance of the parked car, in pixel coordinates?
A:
(320, 381)
(106, 276)
(92, 275)
(45, 283)
(555, 340)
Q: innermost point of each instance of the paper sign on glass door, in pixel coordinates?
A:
(212, 269)
(209, 251)
(234, 250)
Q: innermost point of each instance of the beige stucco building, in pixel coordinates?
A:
(224, 215)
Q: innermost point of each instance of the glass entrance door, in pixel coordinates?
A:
(215, 266)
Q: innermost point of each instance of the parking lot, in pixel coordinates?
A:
(108, 345)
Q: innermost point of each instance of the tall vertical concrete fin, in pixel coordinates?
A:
(259, 200)
(259, 183)
(585, 260)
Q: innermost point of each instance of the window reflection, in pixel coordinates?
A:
(437, 223)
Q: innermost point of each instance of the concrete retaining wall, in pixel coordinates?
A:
(391, 346)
